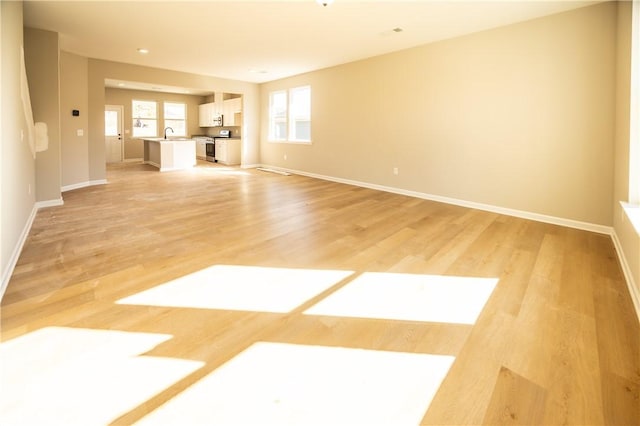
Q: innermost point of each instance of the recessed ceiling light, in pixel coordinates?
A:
(324, 2)
(143, 51)
(255, 71)
(397, 30)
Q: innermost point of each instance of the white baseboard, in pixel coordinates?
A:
(49, 203)
(152, 163)
(6, 274)
(585, 226)
(250, 166)
(83, 185)
(74, 186)
(626, 270)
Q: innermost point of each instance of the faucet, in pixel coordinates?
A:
(165, 131)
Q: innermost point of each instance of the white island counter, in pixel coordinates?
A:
(170, 154)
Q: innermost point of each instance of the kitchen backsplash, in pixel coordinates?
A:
(236, 131)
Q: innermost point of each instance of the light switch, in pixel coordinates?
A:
(80, 132)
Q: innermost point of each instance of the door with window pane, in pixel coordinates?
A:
(113, 133)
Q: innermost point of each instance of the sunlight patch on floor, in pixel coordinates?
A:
(278, 384)
(409, 297)
(73, 376)
(241, 288)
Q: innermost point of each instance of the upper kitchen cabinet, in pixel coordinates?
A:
(209, 114)
(225, 111)
(205, 115)
(232, 111)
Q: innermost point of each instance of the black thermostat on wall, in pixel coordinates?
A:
(75, 113)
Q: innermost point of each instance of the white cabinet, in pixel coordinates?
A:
(205, 114)
(201, 149)
(222, 149)
(232, 110)
(170, 155)
(228, 151)
(209, 113)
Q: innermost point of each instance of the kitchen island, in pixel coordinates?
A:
(170, 154)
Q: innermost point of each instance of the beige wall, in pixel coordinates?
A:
(626, 234)
(623, 89)
(17, 166)
(99, 70)
(42, 62)
(518, 117)
(133, 147)
(74, 149)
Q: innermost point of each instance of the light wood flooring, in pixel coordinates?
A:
(558, 341)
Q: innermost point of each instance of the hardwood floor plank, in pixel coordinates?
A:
(464, 396)
(621, 400)
(573, 377)
(557, 341)
(515, 401)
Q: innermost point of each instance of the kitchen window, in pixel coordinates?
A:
(175, 116)
(145, 118)
(290, 115)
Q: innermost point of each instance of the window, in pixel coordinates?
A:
(175, 116)
(290, 115)
(300, 114)
(145, 121)
(278, 116)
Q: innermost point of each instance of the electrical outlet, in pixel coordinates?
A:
(395, 171)
(285, 156)
(29, 189)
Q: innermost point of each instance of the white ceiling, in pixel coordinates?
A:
(260, 41)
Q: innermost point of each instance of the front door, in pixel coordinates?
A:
(113, 133)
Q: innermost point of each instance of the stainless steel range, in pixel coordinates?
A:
(201, 146)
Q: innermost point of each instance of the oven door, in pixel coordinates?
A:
(211, 151)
